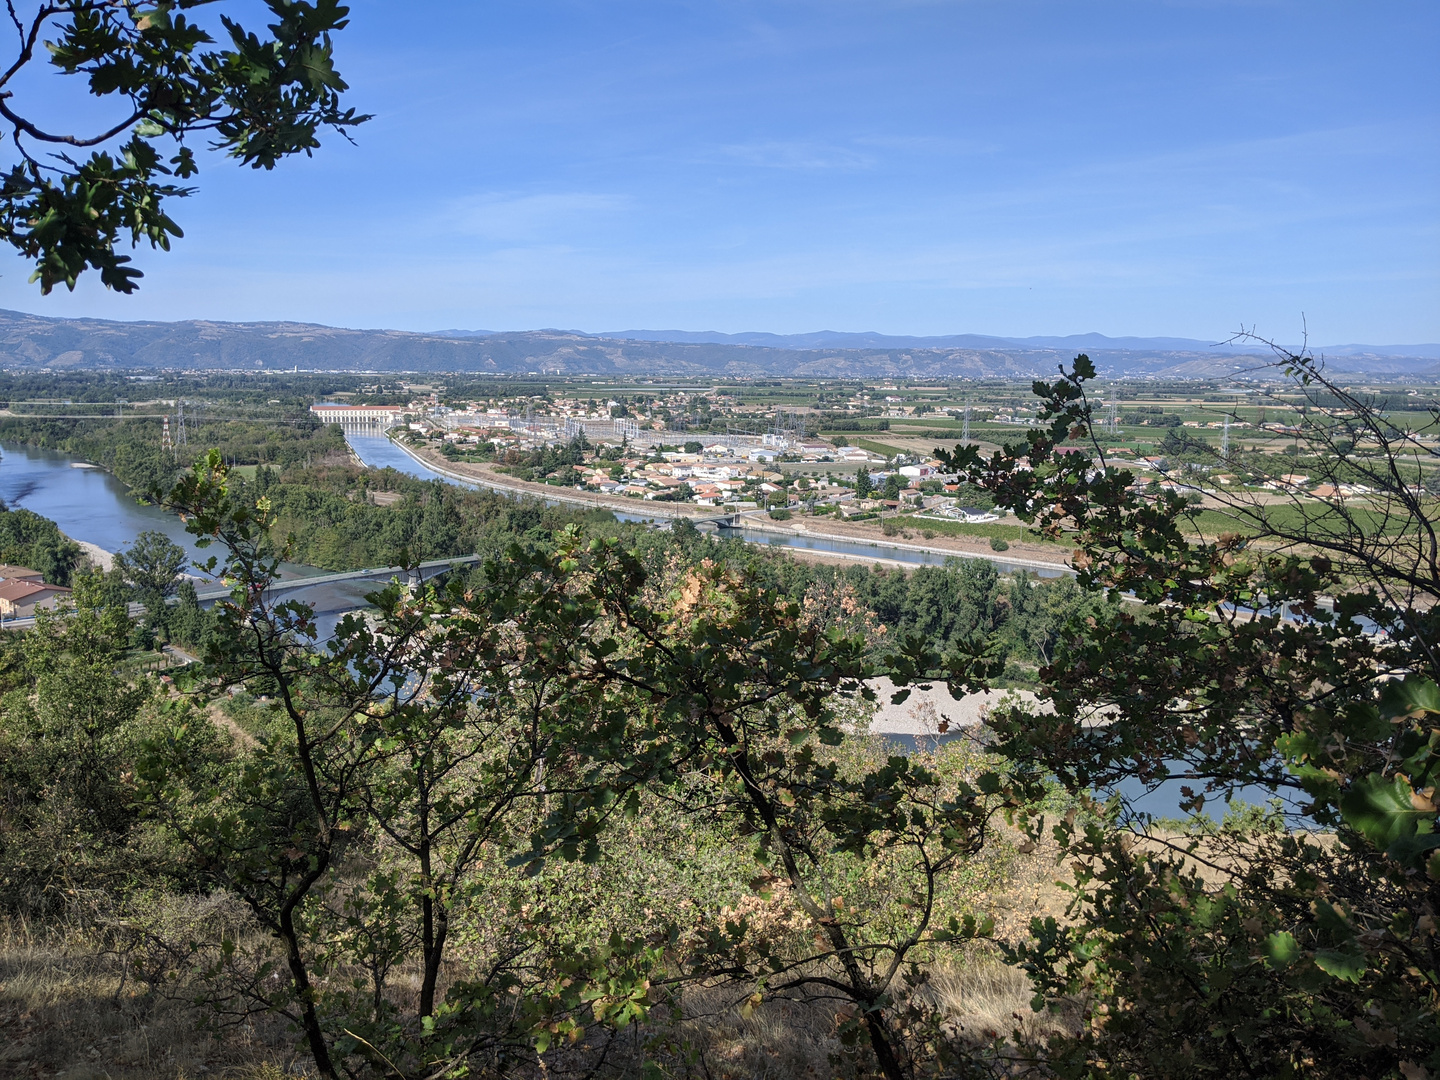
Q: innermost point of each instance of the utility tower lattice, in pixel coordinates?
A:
(180, 423)
(965, 428)
(1225, 440)
(789, 427)
(165, 443)
(1111, 420)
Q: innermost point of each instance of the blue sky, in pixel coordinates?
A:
(992, 166)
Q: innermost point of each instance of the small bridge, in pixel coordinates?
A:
(724, 521)
(408, 575)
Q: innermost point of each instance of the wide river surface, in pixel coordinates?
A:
(87, 503)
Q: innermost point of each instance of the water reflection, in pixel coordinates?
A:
(88, 504)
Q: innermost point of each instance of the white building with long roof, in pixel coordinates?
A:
(368, 415)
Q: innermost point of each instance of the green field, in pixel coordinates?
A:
(877, 447)
(985, 530)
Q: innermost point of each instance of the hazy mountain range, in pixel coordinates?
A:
(33, 341)
(833, 339)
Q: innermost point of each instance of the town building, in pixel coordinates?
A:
(21, 599)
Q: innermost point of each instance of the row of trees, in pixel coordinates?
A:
(1020, 618)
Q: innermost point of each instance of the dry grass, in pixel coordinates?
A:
(66, 1012)
(986, 1000)
(776, 1039)
(973, 1004)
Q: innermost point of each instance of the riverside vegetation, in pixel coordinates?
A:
(605, 806)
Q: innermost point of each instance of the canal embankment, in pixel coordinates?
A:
(828, 542)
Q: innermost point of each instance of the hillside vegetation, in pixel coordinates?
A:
(607, 805)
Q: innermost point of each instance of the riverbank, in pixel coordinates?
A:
(98, 556)
(1042, 558)
(94, 508)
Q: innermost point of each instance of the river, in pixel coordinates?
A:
(92, 506)
(88, 503)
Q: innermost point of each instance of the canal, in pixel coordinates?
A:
(379, 452)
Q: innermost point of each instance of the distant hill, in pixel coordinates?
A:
(834, 339)
(33, 341)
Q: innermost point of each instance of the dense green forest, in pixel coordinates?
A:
(34, 542)
(132, 449)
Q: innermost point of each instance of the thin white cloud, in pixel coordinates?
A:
(782, 154)
(508, 218)
(930, 144)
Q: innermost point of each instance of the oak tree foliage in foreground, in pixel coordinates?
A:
(165, 83)
(1289, 646)
(1274, 641)
(526, 716)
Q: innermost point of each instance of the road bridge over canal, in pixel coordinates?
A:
(723, 521)
(407, 575)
